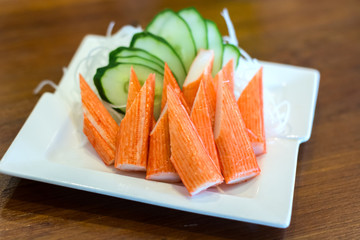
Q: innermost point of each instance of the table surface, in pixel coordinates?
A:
(39, 38)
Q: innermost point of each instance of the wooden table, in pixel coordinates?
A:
(38, 38)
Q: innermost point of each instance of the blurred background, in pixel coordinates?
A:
(39, 38)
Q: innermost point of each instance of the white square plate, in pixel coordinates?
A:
(47, 149)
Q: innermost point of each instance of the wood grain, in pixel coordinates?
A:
(38, 38)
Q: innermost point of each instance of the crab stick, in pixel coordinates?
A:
(159, 166)
(210, 97)
(132, 145)
(188, 154)
(201, 118)
(250, 104)
(200, 68)
(99, 127)
(134, 88)
(105, 151)
(171, 81)
(226, 73)
(237, 158)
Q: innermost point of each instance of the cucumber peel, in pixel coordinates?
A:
(160, 48)
(127, 51)
(140, 60)
(215, 43)
(112, 83)
(171, 27)
(197, 26)
(231, 52)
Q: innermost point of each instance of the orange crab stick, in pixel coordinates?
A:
(210, 97)
(237, 158)
(159, 166)
(188, 154)
(227, 73)
(105, 151)
(134, 88)
(99, 127)
(132, 145)
(201, 118)
(200, 68)
(171, 81)
(250, 104)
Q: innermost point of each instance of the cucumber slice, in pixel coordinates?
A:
(112, 83)
(170, 26)
(126, 51)
(231, 52)
(215, 43)
(160, 48)
(140, 60)
(197, 26)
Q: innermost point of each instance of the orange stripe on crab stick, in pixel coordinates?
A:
(190, 90)
(227, 73)
(210, 97)
(105, 151)
(200, 68)
(201, 118)
(171, 81)
(97, 113)
(250, 104)
(134, 88)
(188, 154)
(159, 166)
(98, 117)
(132, 148)
(237, 158)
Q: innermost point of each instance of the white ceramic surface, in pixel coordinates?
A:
(48, 149)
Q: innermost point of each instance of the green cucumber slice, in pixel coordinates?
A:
(160, 48)
(197, 26)
(140, 60)
(126, 51)
(170, 26)
(112, 83)
(231, 52)
(215, 43)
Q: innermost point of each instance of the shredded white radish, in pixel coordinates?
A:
(87, 67)
(276, 113)
(42, 84)
(245, 55)
(110, 28)
(245, 71)
(232, 39)
(98, 57)
(247, 66)
(232, 35)
(95, 57)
